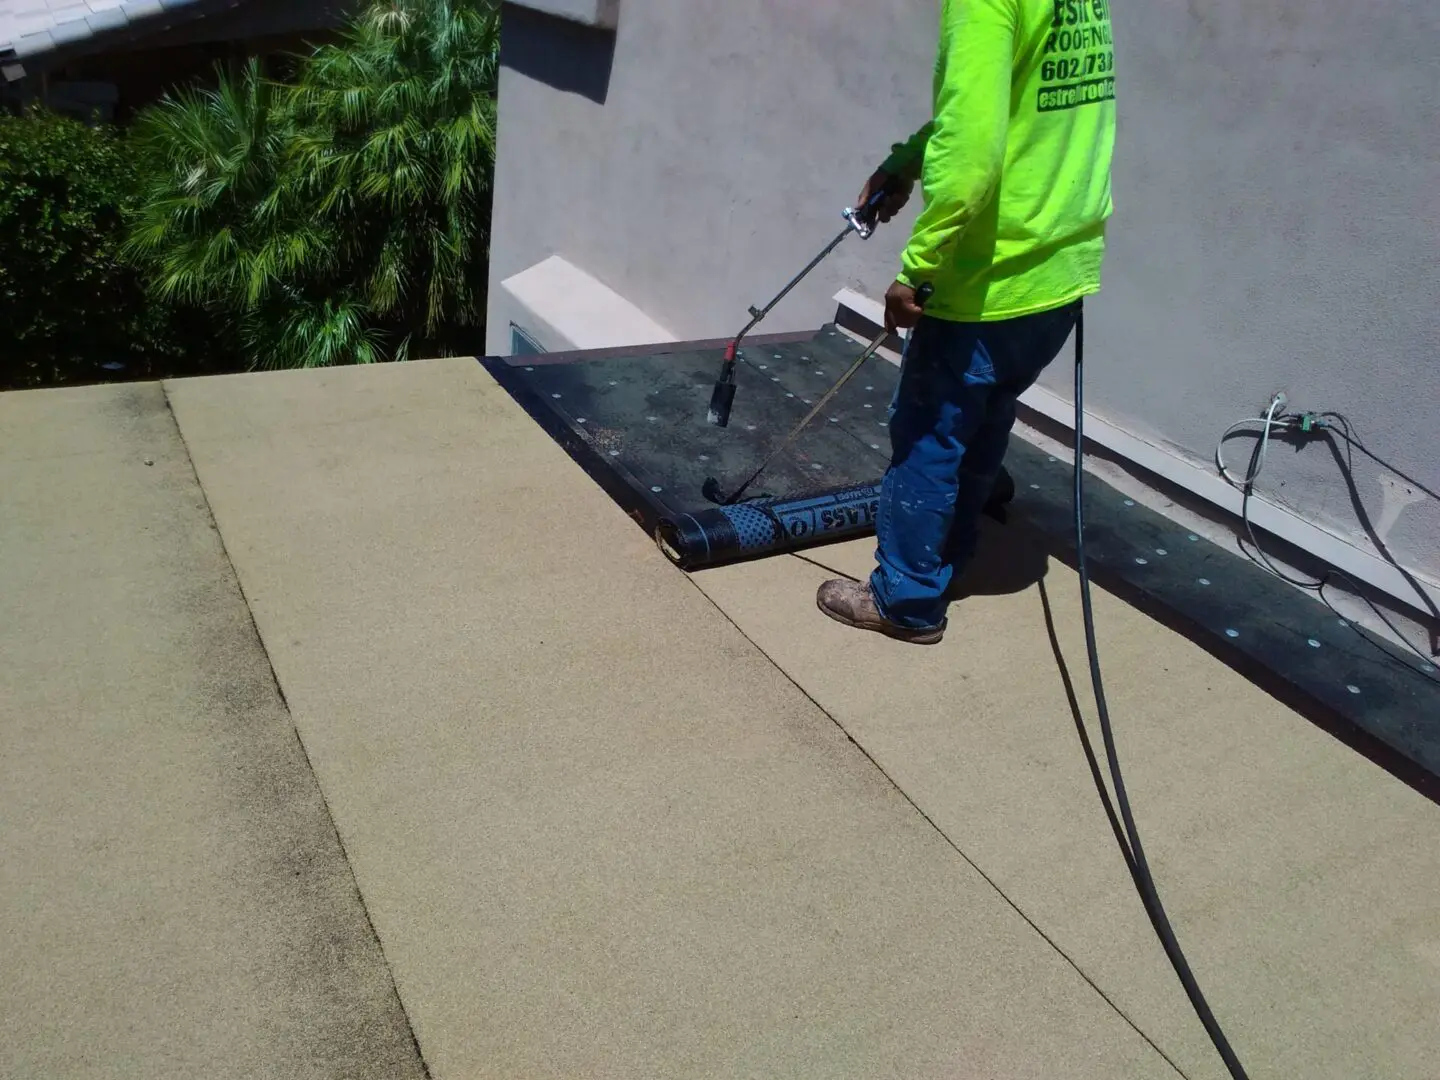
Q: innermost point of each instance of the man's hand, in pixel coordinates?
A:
(894, 201)
(901, 311)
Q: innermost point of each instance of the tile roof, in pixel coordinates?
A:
(31, 28)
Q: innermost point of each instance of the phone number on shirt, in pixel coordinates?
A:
(1075, 67)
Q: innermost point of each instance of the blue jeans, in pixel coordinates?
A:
(949, 428)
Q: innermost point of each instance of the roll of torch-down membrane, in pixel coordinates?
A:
(721, 534)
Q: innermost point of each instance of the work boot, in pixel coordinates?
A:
(852, 603)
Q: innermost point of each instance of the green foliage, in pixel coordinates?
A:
(68, 302)
(341, 218)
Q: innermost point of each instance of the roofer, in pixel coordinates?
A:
(1015, 173)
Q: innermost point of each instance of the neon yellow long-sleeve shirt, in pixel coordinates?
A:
(1015, 165)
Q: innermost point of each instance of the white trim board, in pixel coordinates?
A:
(578, 312)
(1333, 549)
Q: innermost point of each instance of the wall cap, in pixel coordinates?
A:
(604, 14)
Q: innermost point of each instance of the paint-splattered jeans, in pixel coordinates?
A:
(949, 427)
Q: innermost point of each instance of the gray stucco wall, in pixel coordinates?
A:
(1276, 223)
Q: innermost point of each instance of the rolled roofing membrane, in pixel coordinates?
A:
(746, 530)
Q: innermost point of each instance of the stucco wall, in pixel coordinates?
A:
(1275, 186)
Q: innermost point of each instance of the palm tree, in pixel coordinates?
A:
(220, 225)
(398, 138)
(342, 218)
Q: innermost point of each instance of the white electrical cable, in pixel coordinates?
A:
(1270, 423)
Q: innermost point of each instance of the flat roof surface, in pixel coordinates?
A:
(524, 790)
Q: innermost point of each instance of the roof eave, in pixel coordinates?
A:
(105, 36)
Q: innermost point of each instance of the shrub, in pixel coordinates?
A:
(69, 303)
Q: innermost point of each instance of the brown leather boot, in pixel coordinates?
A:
(851, 603)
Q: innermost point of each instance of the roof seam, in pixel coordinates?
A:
(949, 840)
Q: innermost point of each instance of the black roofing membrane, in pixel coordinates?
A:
(635, 420)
